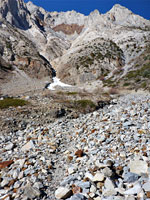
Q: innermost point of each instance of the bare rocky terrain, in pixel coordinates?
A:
(99, 47)
(101, 155)
(87, 140)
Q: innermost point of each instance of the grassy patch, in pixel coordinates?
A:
(67, 93)
(84, 104)
(143, 85)
(10, 102)
(71, 93)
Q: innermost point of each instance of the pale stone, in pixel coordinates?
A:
(71, 170)
(135, 190)
(138, 167)
(31, 192)
(28, 146)
(109, 188)
(2, 192)
(91, 194)
(17, 184)
(98, 177)
(122, 154)
(9, 146)
(5, 182)
(97, 198)
(21, 162)
(107, 172)
(16, 173)
(20, 176)
(141, 195)
(63, 193)
(89, 176)
(92, 189)
(146, 186)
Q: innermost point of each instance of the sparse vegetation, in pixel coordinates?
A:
(81, 106)
(108, 82)
(143, 72)
(137, 80)
(84, 103)
(72, 93)
(126, 84)
(11, 102)
(8, 45)
(67, 93)
(143, 85)
(96, 52)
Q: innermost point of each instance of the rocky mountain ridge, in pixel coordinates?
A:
(129, 32)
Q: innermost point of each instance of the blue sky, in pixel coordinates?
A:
(140, 7)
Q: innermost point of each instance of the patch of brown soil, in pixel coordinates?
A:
(68, 29)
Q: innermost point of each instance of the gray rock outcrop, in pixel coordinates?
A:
(15, 12)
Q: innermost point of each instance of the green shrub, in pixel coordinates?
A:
(71, 93)
(8, 102)
(137, 80)
(146, 73)
(137, 65)
(109, 81)
(147, 57)
(81, 106)
(84, 104)
(132, 74)
(8, 45)
(143, 85)
(126, 84)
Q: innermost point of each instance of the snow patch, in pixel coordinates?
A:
(57, 82)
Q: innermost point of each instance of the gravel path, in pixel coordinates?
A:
(101, 155)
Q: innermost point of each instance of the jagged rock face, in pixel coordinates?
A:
(70, 17)
(50, 44)
(20, 51)
(128, 32)
(15, 12)
(20, 62)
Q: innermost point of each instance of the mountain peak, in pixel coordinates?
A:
(31, 7)
(123, 16)
(95, 12)
(119, 8)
